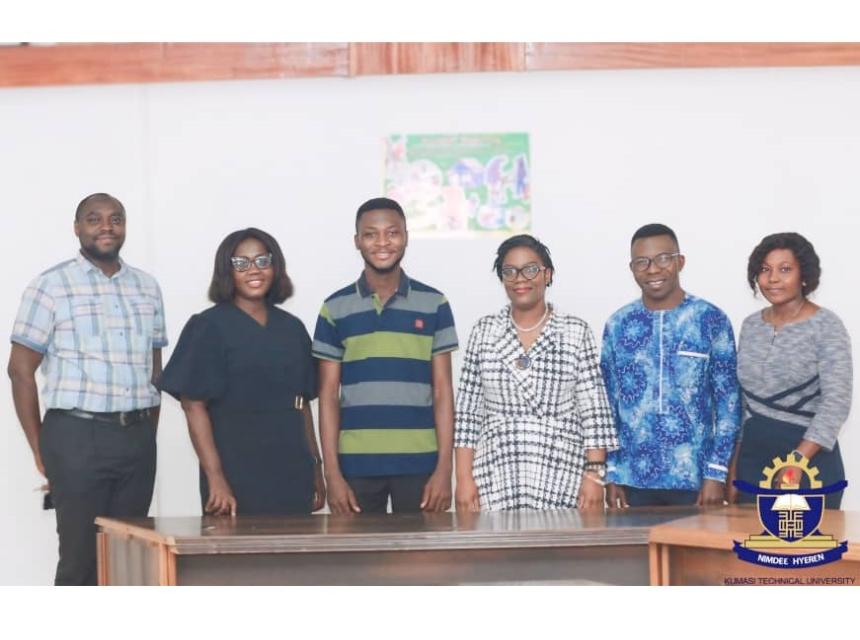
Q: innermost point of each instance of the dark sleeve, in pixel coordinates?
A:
(311, 383)
(197, 366)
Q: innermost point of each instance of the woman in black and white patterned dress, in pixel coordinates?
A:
(532, 418)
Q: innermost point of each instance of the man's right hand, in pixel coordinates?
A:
(615, 496)
(341, 498)
(466, 496)
(221, 501)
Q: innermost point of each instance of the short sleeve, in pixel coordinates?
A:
(327, 344)
(34, 324)
(159, 329)
(197, 368)
(445, 338)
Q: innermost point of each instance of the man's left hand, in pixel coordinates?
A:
(712, 494)
(437, 492)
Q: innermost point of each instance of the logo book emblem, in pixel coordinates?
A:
(791, 517)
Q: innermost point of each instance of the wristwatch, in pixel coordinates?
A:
(597, 467)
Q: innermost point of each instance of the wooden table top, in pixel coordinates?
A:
(387, 532)
(717, 528)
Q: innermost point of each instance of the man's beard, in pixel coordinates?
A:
(102, 256)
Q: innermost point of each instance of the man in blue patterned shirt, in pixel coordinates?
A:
(96, 327)
(669, 364)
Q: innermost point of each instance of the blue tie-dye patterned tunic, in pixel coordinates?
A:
(672, 383)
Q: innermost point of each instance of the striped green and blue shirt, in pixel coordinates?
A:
(387, 425)
(96, 334)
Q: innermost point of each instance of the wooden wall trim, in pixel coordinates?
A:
(564, 56)
(376, 58)
(168, 62)
(178, 62)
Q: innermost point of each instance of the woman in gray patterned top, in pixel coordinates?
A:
(532, 422)
(794, 366)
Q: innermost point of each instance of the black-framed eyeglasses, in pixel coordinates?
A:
(241, 263)
(530, 272)
(662, 260)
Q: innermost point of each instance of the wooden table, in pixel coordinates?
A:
(697, 550)
(527, 547)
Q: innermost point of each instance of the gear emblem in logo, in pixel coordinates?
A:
(779, 463)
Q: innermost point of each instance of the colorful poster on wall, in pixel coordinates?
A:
(461, 184)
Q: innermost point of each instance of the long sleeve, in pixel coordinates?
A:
(595, 414)
(470, 410)
(607, 368)
(726, 398)
(835, 371)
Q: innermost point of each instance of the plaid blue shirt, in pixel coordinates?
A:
(96, 335)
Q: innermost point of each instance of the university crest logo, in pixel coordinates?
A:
(791, 514)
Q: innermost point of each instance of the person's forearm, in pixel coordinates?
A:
(443, 411)
(330, 432)
(808, 449)
(595, 455)
(156, 378)
(25, 396)
(200, 430)
(464, 458)
(310, 433)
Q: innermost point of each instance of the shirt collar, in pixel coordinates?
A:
(364, 289)
(88, 266)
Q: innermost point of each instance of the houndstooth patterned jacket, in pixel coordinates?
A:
(530, 427)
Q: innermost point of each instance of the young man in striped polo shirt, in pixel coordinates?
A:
(386, 398)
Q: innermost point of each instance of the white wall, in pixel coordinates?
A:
(723, 156)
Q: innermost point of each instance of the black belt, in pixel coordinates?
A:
(122, 418)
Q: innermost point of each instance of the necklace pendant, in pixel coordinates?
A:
(522, 363)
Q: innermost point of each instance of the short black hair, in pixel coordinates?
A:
(804, 252)
(654, 229)
(379, 203)
(96, 197)
(222, 288)
(523, 240)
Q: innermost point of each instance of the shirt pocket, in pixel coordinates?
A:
(690, 368)
(85, 314)
(142, 317)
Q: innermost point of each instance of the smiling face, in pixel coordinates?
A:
(523, 293)
(381, 239)
(660, 285)
(780, 278)
(254, 283)
(101, 230)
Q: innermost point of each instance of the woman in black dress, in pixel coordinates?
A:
(245, 376)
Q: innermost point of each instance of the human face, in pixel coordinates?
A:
(779, 277)
(523, 293)
(381, 239)
(101, 230)
(661, 286)
(254, 283)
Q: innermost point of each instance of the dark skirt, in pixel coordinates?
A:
(765, 439)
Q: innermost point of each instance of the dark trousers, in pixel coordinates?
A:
(765, 439)
(94, 469)
(373, 492)
(637, 497)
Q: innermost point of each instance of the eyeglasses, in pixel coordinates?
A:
(662, 260)
(241, 263)
(530, 272)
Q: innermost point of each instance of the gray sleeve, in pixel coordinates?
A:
(835, 370)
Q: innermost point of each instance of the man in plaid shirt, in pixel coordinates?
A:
(96, 327)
